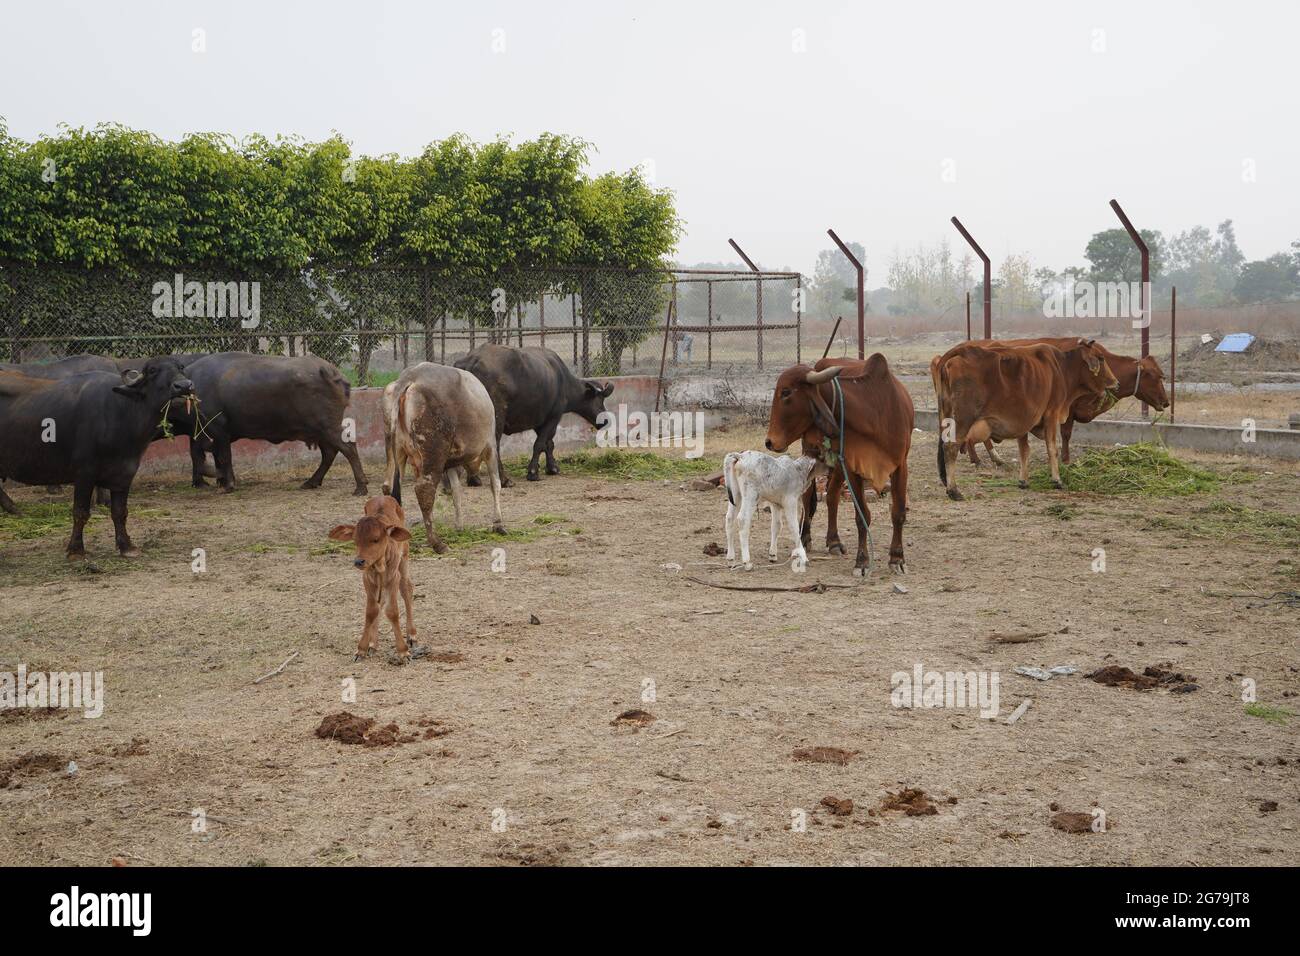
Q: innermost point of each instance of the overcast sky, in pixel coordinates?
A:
(1038, 112)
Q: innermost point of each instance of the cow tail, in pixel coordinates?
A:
(396, 493)
(939, 390)
(729, 474)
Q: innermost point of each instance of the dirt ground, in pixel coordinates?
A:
(514, 744)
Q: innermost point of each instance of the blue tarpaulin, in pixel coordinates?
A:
(1236, 342)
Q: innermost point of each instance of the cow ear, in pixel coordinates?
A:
(398, 533)
(342, 532)
(608, 390)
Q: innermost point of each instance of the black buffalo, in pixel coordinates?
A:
(77, 364)
(268, 397)
(532, 388)
(89, 429)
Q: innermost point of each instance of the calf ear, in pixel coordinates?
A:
(399, 534)
(342, 532)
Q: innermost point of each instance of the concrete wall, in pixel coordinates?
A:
(1269, 442)
(636, 391)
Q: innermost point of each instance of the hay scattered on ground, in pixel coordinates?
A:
(1143, 469)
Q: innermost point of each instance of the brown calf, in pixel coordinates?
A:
(383, 558)
(998, 393)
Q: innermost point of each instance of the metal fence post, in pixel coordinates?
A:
(709, 286)
(798, 320)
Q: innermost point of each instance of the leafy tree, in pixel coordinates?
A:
(1269, 280)
(1114, 258)
(835, 281)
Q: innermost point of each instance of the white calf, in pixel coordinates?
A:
(753, 477)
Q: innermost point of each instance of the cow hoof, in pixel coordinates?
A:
(360, 491)
(309, 484)
(772, 559)
(1058, 485)
(132, 552)
(507, 483)
(552, 471)
(356, 657)
(534, 476)
(1022, 485)
(474, 481)
(440, 547)
(199, 483)
(499, 528)
(731, 557)
(860, 572)
(897, 566)
(956, 495)
(76, 555)
(834, 547)
(398, 660)
(749, 566)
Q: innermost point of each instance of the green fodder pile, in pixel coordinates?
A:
(1144, 469)
(636, 465)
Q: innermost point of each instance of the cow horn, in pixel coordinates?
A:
(825, 375)
(132, 376)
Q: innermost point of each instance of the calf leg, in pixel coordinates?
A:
(370, 631)
(993, 455)
(1023, 443)
(776, 512)
(390, 611)
(809, 509)
(408, 596)
(897, 516)
(834, 485)
(81, 495)
(789, 513)
(123, 540)
(747, 507)
(970, 450)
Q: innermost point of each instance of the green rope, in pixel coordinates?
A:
(839, 394)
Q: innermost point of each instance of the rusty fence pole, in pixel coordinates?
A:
(541, 317)
(862, 300)
(669, 321)
(831, 341)
(1173, 351)
(758, 302)
(1143, 295)
(988, 277)
(967, 315)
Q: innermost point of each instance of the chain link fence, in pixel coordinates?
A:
(374, 321)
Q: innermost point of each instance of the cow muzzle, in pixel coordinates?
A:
(182, 387)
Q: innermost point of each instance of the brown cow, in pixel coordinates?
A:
(878, 422)
(1137, 377)
(1013, 392)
